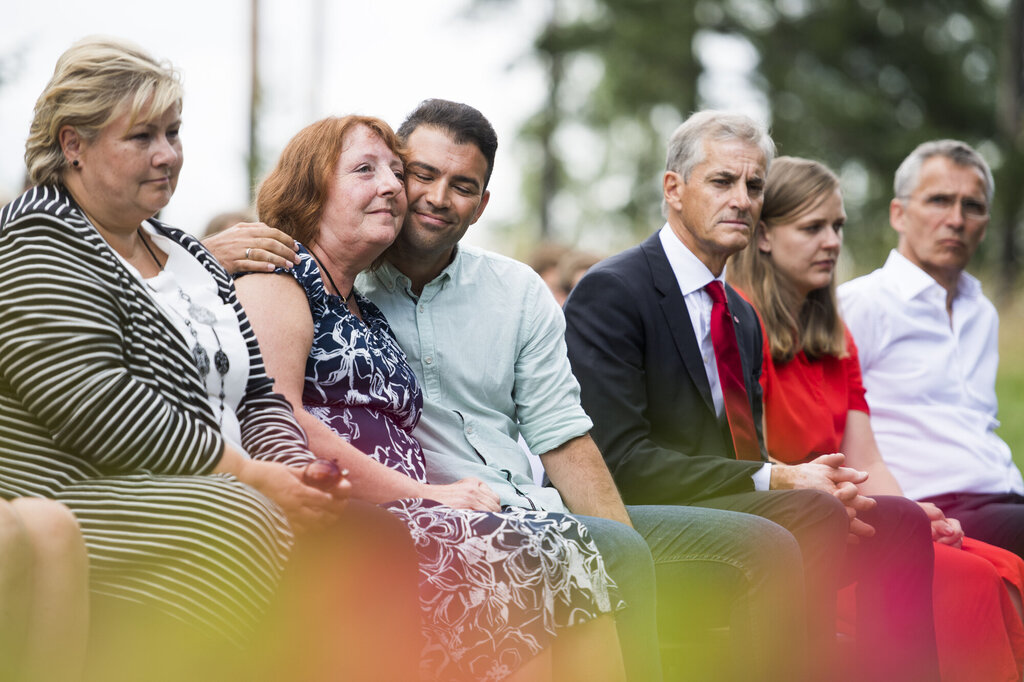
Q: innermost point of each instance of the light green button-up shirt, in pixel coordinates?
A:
(487, 342)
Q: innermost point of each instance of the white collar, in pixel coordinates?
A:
(691, 273)
(911, 281)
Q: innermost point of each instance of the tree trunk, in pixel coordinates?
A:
(1011, 143)
(253, 162)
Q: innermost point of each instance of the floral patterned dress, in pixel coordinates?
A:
(494, 587)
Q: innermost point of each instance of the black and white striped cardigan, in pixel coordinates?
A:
(94, 379)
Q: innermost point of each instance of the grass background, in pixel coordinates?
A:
(1010, 380)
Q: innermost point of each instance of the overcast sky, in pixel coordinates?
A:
(379, 58)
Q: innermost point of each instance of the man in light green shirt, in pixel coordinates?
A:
(484, 385)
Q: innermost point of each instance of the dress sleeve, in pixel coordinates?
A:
(65, 356)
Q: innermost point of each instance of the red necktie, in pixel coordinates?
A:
(730, 376)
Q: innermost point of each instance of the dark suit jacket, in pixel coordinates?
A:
(633, 349)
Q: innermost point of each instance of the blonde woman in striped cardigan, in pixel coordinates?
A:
(131, 385)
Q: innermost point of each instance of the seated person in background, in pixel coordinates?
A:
(509, 594)
(561, 267)
(544, 260)
(928, 343)
(669, 359)
(132, 390)
(223, 221)
(44, 595)
(573, 266)
(814, 404)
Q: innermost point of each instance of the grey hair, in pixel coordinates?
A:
(908, 175)
(686, 145)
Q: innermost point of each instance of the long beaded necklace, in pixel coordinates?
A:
(199, 353)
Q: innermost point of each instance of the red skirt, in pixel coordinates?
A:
(979, 634)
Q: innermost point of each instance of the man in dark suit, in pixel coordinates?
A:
(669, 366)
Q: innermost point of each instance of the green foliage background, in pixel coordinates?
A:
(1010, 381)
(853, 83)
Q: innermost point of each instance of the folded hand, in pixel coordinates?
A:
(305, 507)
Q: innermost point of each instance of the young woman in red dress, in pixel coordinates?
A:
(815, 404)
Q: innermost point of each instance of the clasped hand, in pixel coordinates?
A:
(945, 530)
(828, 473)
(306, 508)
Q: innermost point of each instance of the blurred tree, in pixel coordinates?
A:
(859, 84)
(619, 72)
(854, 83)
(254, 162)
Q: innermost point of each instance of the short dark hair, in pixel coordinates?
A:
(465, 124)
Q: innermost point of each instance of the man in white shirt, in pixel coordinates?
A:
(927, 338)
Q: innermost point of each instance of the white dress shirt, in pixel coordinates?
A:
(692, 276)
(930, 384)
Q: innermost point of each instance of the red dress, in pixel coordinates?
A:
(978, 632)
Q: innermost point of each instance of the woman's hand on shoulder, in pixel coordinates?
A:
(467, 493)
(252, 247)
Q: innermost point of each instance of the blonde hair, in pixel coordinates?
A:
(92, 82)
(793, 187)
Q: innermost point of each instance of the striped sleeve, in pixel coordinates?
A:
(269, 428)
(64, 355)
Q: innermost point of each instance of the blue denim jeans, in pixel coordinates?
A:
(753, 566)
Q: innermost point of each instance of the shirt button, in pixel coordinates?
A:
(469, 429)
(421, 307)
(429, 359)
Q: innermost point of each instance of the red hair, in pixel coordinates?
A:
(293, 195)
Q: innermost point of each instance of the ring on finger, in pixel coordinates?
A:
(247, 252)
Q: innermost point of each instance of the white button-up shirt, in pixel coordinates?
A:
(930, 383)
